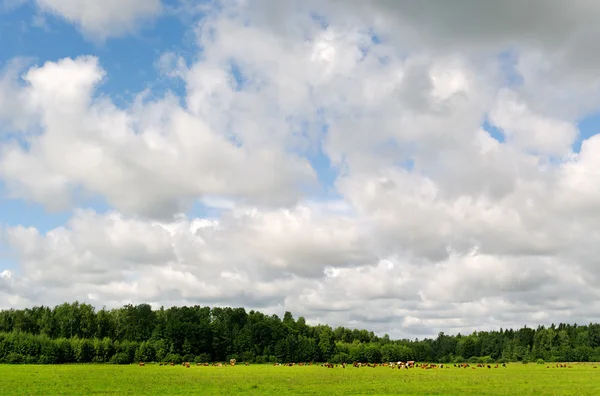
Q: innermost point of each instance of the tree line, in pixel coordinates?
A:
(78, 333)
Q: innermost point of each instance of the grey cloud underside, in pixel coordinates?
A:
(473, 234)
(99, 21)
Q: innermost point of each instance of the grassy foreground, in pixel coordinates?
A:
(517, 379)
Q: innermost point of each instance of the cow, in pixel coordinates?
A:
(232, 362)
(141, 363)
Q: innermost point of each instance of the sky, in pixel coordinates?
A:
(405, 167)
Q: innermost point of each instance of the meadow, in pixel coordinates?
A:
(104, 379)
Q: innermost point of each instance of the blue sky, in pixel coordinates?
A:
(379, 228)
(130, 63)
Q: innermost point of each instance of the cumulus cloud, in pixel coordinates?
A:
(124, 155)
(107, 18)
(435, 224)
(246, 254)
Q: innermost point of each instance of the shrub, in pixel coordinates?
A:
(174, 357)
(84, 351)
(261, 359)
(339, 358)
(247, 356)
(485, 360)
(120, 358)
(146, 353)
(14, 358)
(64, 351)
(202, 358)
(540, 361)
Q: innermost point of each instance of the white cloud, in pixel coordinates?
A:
(103, 19)
(125, 154)
(248, 253)
(434, 224)
(529, 131)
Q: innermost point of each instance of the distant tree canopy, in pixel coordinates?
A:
(77, 333)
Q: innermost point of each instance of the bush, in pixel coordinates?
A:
(339, 358)
(120, 358)
(64, 351)
(84, 350)
(540, 361)
(202, 358)
(261, 359)
(14, 358)
(146, 353)
(174, 357)
(247, 356)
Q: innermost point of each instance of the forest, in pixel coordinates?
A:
(78, 333)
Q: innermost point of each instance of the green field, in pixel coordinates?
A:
(516, 379)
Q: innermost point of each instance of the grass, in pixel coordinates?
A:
(516, 379)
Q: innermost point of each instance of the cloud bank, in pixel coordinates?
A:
(459, 201)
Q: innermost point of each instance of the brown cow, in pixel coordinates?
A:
(232, 362)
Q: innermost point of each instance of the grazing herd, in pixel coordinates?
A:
(232, 362)
(393, 365)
